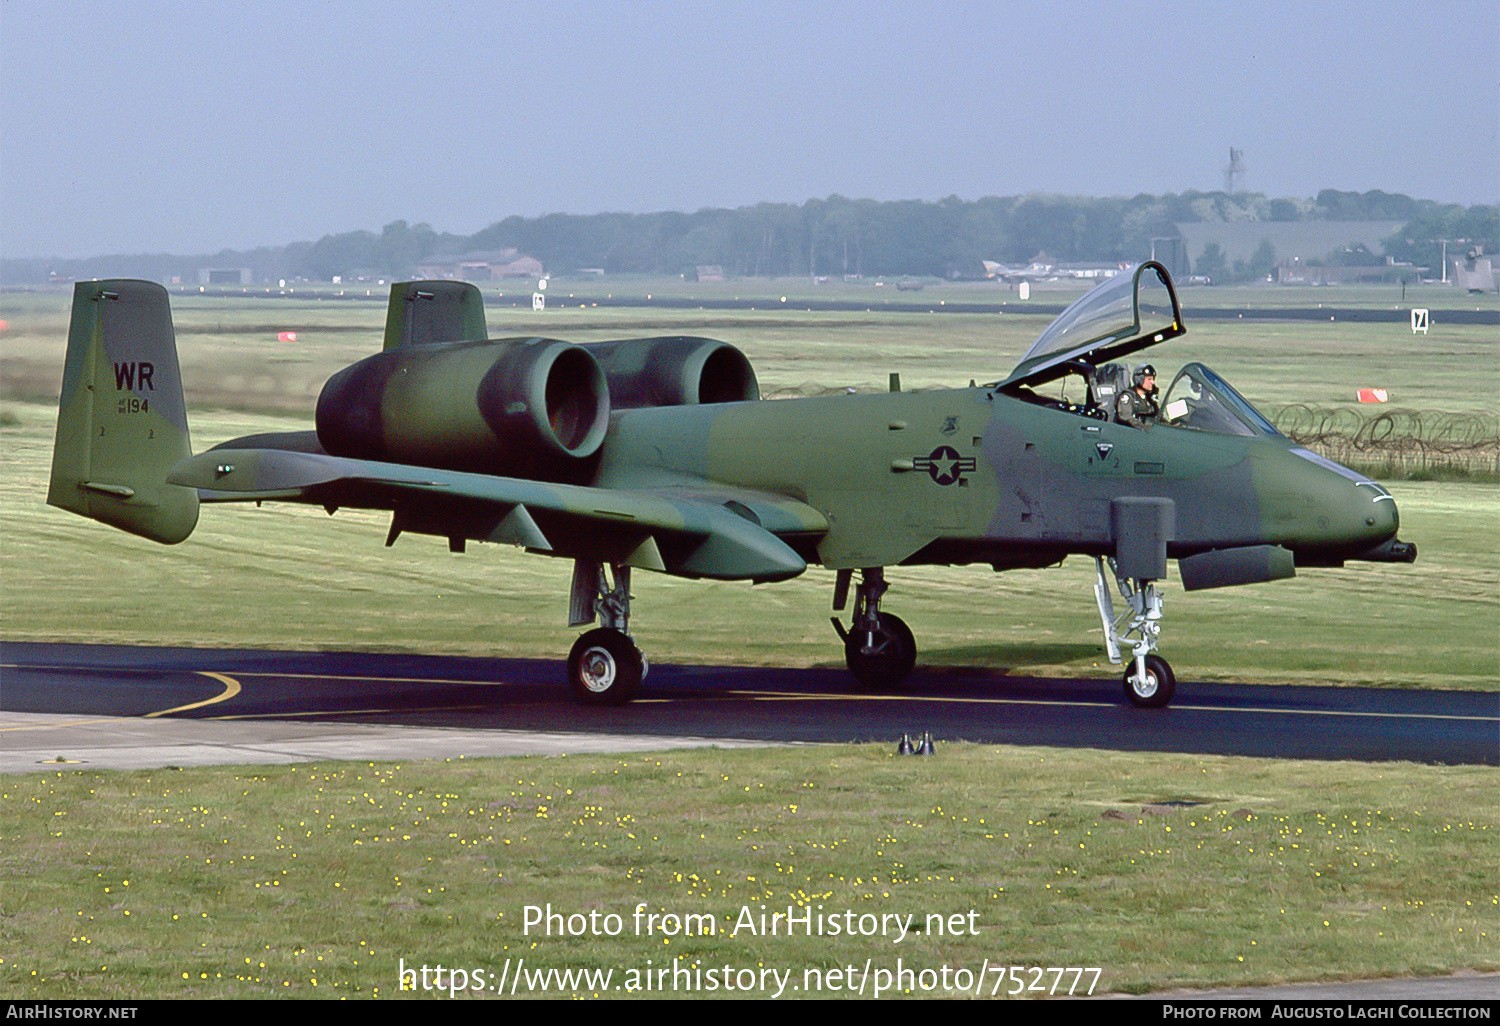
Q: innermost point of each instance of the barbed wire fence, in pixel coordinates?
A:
(1400, 443)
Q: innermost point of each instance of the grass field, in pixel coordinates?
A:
(235, 581)
(288, 576)
(231, 357)
(1148, 872)
(317, 881)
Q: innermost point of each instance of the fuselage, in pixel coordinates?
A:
(976, 475)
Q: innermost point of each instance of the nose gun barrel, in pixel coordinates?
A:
(1390, 551)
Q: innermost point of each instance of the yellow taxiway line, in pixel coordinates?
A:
(231, 688)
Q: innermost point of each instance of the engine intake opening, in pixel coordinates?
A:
(573, 400)
(674, 370)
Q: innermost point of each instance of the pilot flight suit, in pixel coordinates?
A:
(1135, 409)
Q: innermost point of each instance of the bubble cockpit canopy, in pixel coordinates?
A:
(1201, 400)
(1135, 309)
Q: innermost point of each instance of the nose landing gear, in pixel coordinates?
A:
(1149, 682)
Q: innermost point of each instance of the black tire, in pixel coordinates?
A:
(1158, 687)
(605, 668)
(891, 663)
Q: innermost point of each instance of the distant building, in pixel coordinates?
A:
(1476, 273)
(1087, 271)
(710, 272)
(481, 265)
(1296, 272)
(224, 276)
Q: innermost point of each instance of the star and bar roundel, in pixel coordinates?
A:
(945, 466)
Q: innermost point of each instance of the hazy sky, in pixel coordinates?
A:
(129, 126)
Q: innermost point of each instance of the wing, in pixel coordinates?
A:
(685, 527)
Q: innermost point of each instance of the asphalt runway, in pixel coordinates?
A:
(240, 705)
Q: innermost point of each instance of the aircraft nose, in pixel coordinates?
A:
(1354, 510)
(1380, 517)
(1382, 524)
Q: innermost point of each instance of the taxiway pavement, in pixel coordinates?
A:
(130, 707)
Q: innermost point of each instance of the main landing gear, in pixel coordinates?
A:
(605, 666)
(1148, 680)
(878, 647)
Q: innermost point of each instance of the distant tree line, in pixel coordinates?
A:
(832, 236)
(1421, 240)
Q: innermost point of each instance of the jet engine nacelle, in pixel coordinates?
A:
(676, 370)
(531, 407)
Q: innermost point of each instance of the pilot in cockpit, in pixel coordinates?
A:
(1136, 405)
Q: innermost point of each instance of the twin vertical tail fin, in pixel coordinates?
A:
(121, 421)
(425, 312)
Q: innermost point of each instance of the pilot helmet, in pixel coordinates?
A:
(1140, 374)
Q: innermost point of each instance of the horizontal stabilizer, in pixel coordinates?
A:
(291, 441)
(242, 475)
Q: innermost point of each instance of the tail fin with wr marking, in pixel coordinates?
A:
(121, 422)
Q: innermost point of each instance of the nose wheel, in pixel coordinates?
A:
(1149, 682)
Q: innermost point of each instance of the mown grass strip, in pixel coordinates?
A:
(324, 880)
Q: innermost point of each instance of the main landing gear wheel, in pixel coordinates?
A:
(889, 660)
(1156, 689)
(605, 667)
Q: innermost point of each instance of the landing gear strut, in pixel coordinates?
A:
(605, 667)
(878, 647)
(1148, 680)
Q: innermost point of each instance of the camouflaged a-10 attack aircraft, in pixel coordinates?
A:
(657, 454)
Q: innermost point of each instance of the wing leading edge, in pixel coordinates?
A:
(687, 528)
